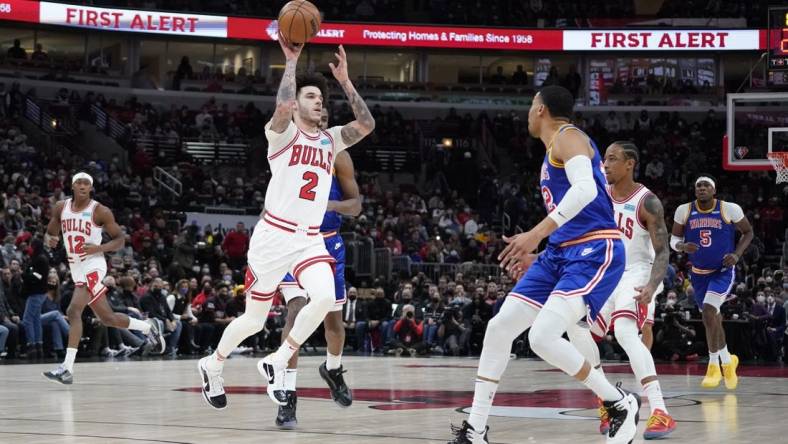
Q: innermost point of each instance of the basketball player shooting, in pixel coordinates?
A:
(580, 267)
(640, 218)
(344, 199)
(705, 230)
(287, 237)
(82, 221)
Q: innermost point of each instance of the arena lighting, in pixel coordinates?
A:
(447, 142)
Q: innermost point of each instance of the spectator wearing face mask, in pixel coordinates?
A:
(180, 304)
(775, 326)
(433, 314)
(759, 318)
(52, 318)
(408, 333)
(154, 303)
(352, 315)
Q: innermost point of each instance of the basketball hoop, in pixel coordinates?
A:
(778, 160)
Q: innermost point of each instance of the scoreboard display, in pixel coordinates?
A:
(778, 39)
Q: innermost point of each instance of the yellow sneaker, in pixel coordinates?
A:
(729, 372)
(713, 377)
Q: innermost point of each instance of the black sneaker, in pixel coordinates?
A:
(212, 385)
(624, 415)
(466, 434)
(286, 417)
(340, 392)
(61, 375)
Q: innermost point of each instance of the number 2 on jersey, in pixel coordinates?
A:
(75, 244)
(311, 182)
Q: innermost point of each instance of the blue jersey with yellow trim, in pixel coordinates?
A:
(597, 215)
(332, 219)
(711, 231)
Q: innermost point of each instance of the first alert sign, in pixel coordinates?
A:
(107, 19)
(654, 40)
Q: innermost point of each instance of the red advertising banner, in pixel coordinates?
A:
(199, 25)
(410, 36)
(19, 11)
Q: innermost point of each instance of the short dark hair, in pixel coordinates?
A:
(558, 100)
(312, 79)
(630, 150)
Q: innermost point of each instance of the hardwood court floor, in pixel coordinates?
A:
(401, 400)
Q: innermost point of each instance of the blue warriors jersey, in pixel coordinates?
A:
(332, 219)
(713, 233)
(596, 216)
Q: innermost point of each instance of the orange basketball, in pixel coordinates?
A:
(299, 21)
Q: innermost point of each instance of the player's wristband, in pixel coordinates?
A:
(675, 242)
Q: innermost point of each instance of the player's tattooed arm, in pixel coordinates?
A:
(653, 215)
(365, 122)
(286, 96)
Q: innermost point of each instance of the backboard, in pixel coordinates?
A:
(757, 124)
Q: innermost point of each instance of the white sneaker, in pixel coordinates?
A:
(274, 373)
(212, 385)
(624, 415)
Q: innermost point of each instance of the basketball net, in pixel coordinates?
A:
(778, 161)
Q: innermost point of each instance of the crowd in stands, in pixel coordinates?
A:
(189, 277)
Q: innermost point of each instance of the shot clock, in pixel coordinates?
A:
(778, 39)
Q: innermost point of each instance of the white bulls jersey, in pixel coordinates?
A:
(301, 169)
(637, 242)
(78, 228)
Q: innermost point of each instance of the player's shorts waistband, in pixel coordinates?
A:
(697, 270)
(328, 234)
(591, 236)
(289, 226)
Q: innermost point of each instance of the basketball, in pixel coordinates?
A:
(299, 21)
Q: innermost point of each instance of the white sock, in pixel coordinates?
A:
(654, 393)
(597, 382)
(71, 355)
(284, 352)
(600, 370)
(136, 324)
(725, 355)
(483, 394)
(290, 379)
(333, 362)
(215, 362)
(714, 358)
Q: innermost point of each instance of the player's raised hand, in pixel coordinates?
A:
(518, 250)
(291, 50)
(340, 69)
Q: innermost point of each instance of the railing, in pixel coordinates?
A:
(381, 264)
(163, 148)
(167, 181)
(47, 122)
(434, 270)
(217, 151)
(108, 124)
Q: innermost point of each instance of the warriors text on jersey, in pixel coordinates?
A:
(637, 241)
(712, 230)
(596, 216)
